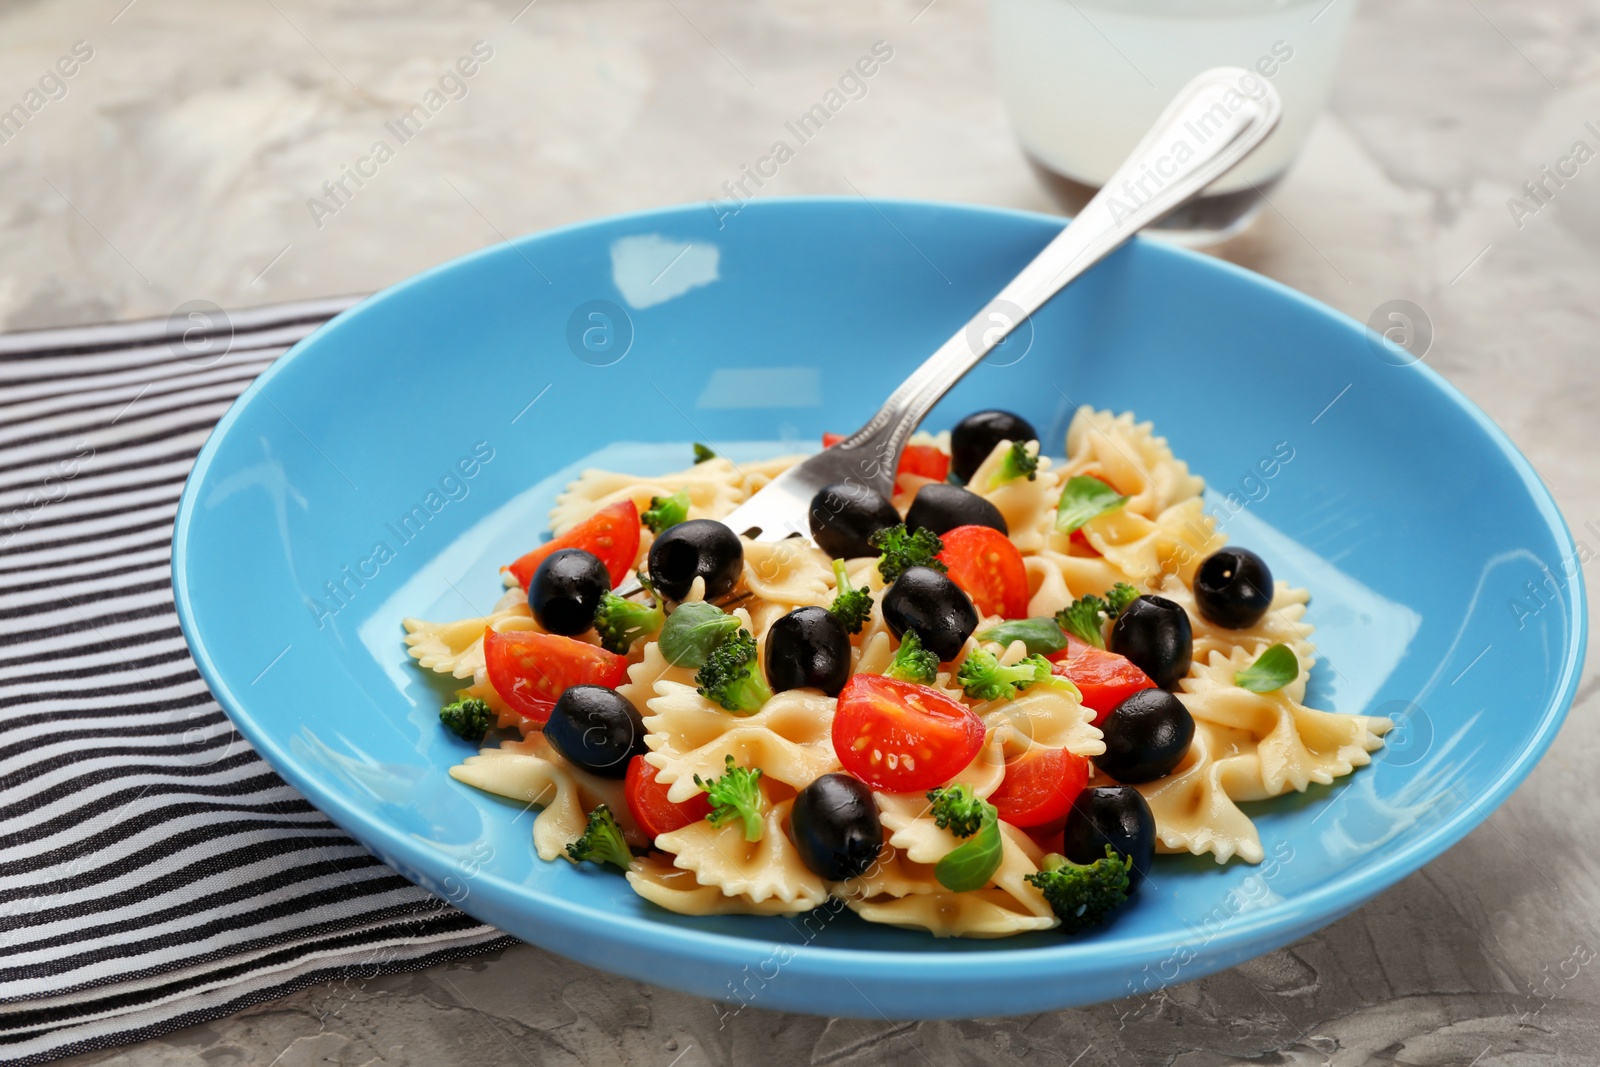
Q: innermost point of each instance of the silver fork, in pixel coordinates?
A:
(1220, 116)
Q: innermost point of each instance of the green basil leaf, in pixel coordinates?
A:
(1083, 499)
(1041, 635)
(692, 631)
(1273, 669)
(971, 864)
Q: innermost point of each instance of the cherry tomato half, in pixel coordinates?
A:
(1040, 786)
(988, 568)
(900, 737)
(531, 670)
(648, 803)
(924, 461)
(611, 534)
(1104, 678)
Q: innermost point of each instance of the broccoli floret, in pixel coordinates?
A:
(984, 677)
(602, 841)
(971, 864)
(703, 453)
(666, 511)
(851, 606)
(957, 809)
(902, 549)
(732, 677)
(468, 719)
(912, 662)
(1083, 895)
(1018, 462)
(735, 795)
(1085, 618)
(1117, 600)
(620, 622)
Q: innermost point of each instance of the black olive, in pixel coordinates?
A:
(976, 435)
(924, 600)
(566, 590)
(808, 649)
(845, 514)
(941, 508)
(1233, 588)
(597, 729)
(1147, 735)
(698, 548)
(835, 827)
(1154, 633)
(1114, 815)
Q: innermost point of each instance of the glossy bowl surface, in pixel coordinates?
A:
(335, 498)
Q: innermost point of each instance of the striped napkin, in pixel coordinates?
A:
(154, 871)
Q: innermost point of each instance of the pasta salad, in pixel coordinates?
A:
(978, 708)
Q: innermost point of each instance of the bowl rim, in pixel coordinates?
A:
(1331, 899)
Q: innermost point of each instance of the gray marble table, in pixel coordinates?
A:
(178, 167)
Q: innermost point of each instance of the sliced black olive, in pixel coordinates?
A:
(924, 600)
(1154, 633)
(942, 508)
(597, 729)
(976, 435)
(835, 827)
(845, 514)
(698, 548)
(1114, 815)
(1146, 735)
(1233, 588)
(566, 590)
(808, 649)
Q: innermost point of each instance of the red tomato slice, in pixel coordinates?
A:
(652, 811)
(612, 534)
(900, 737)
(924, 461)
(1104, 678)
(531, 670)
(1040, 786)
(988, 567)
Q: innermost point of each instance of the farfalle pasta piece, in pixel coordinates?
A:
(715, 488)
(1295, 745)
(766, 870)
(980, 913)
(645, 674)
(1146, 551)
(790, 738)
(1008, 905)
(1044, 717)
(1027, 504)
(755, 476)
(1129, 457)
(790, 573)
(1194, 806)
(456, 648)
(658, 881)
(535, 774)
(1283, 624)
(1056, 579)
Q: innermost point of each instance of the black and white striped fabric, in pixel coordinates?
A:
(154, 872)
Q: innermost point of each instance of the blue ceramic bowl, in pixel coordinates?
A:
(332, 500)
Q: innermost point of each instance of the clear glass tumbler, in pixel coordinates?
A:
(1084, 79)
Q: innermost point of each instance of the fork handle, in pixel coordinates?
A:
(1212, 124)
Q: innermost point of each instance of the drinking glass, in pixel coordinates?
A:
(1084, 79)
